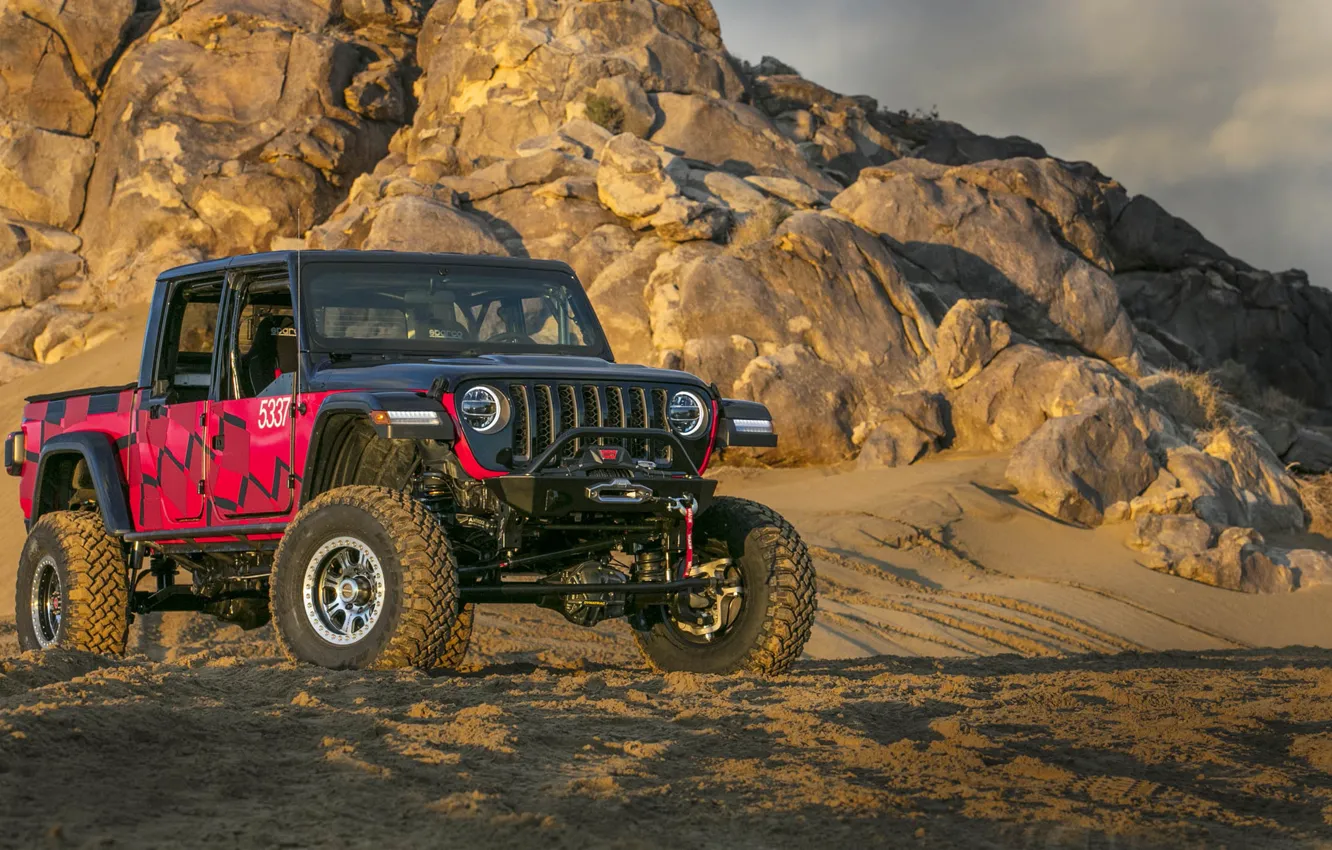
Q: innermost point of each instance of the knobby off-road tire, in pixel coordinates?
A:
(93, 585)
(420, 623)
(778, 600)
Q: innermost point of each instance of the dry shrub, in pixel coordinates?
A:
(1191, 398)
(1248, 391)
(759, 225)
(1316, 493)
(605, 111)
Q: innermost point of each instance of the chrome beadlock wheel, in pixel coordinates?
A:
(48, 600)
(344, 590)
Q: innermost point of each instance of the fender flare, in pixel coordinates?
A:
(366, 403)
(99, 453)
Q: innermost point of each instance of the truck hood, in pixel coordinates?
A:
(422, 373)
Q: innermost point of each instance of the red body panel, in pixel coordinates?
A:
(254, 477)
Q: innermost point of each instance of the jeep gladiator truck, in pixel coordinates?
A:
(362, 446)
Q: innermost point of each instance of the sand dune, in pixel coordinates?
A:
(979, 675)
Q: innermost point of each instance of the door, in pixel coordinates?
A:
(172, 414)
(250, 425)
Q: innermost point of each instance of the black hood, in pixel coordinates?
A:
(366, 373)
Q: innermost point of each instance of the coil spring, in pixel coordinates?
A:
(650, 565)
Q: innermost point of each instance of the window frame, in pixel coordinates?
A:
(167, 355)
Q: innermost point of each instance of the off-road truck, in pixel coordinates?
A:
(362, 446)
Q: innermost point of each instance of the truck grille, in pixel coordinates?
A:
(543, 411)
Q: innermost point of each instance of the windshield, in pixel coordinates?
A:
(442, 309)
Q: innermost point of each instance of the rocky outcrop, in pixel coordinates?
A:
(891, 285)
(1075, 467)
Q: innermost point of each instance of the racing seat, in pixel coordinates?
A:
(273, 353)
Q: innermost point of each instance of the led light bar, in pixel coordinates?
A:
(752, 426)
(413, 417)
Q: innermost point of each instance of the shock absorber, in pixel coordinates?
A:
(650, 564)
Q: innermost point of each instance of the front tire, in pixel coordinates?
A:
(365, 577)
(776, 614)
(73, 586)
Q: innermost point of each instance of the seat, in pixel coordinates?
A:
(273, 353)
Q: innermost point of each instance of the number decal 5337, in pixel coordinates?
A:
(273, 412)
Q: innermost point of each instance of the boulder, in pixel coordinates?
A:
(502, 73)
(1309, 567)
(792, 191)
(912, 426)
(36, 277)
(995, 244)
(39, 85)
(969, 337)
(226, 132)
(1210, 485)
(732, 136)
(1074, 467)
(634, 181)
(793, 383)
(413, 223)
(42, 174)
(1270, 496)
(12, 368)
(1225, 564)
(91, 31)
(1167, 540)
(1164, 497)
(1310, 451)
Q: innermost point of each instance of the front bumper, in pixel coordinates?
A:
(595, 482)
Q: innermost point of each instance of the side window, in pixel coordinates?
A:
(184, 368)
(262, 349)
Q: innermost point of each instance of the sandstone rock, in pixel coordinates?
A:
(1167, 540)
(733, 136)
(1210, 484)
(1309, 567)
(42, 174)
(220, 138)
(1271, 497)
(1074, 467)
(633, 180)
(1164, 497)
(969, 337)
(792, 383)
(912, 426)
(412, 223)
(1024, 385)
(637, 111)
(738, 194)
(792, 191)
(995, 244)
(36, 277)
(617, 294)
(599, 249)
(38, 83)
(1225, 565)
(21, 328)
(502, 73)
(90, 30)
(1263, 575)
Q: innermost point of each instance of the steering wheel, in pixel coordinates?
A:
(511, 336)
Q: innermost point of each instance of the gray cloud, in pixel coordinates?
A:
(1219, 109)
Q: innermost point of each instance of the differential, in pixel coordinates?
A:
(587, 609)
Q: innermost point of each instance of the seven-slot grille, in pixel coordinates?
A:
(541, 412)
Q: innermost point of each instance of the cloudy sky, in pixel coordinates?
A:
(1219, 109)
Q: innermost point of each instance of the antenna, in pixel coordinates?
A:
(298, 317)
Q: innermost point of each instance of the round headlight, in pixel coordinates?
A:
(484, 410)
(687, 415)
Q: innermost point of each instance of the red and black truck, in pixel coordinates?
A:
(361, 446)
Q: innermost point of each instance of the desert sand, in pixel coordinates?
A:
(980, 675)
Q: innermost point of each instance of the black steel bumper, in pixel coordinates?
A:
(590, 485)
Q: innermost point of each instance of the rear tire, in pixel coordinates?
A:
(365, 577)
(777, 603)
(73, 586)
